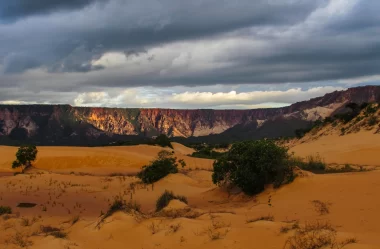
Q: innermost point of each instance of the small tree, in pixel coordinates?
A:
(251, 165)
(164, 165)
(25, 156)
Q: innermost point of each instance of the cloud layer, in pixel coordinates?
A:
(57, 50)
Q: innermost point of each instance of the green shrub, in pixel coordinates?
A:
(166, 197)
(164, 165)
(251, 165)
(5, 210)
(25, 156)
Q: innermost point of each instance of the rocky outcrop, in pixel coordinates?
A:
(53, 124)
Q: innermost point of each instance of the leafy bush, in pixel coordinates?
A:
(166, 197)
(5, 210)
(164, 165)
(251, 165)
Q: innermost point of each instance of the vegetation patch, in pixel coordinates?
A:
(314, 163)
(20, 240)
(25, 156)
(53, 231)
(207, 153)
(251, 165)
(166, 197)
(5, 210)
(321, 207)
(163, 141)
(119, 204)
(164, 165)
(315, 236)
(268, 217)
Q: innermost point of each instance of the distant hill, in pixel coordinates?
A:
(67, 125)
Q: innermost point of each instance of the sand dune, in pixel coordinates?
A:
(352, 199)
(212, 219)
(360, 148)
(99, 160)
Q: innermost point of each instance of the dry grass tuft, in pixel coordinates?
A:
(315, 236)
(174, 228)
(154, 227)
(177, 213)
(19, 240)
(285, 229)
(321, 207)
(268, 217)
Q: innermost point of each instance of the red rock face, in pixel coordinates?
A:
(63, 120)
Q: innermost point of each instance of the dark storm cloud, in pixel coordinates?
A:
(274, 42)
(11, 10)
(130, 25)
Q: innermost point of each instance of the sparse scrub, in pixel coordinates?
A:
(25, 222)
(214, 231)
(315, 236)
(268, 217)
(154, 227)
(166, 197)
(372, 121)
(321, 207)
(314, 163)
(176, 213)
(20, 240)
(48, 229)
(164, 165)
(59, 234)
(75, 219)
(174, 227)
(348, 241)
(285, 229)
(5, 210)
(119, 204)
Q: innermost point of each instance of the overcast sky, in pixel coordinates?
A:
(185, 54)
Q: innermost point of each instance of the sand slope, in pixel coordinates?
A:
(352, 197)
(99, 160)
(212, 218)
(360, 148)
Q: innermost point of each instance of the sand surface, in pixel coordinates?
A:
(99, 160)
(211, 219)
(360, 148)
